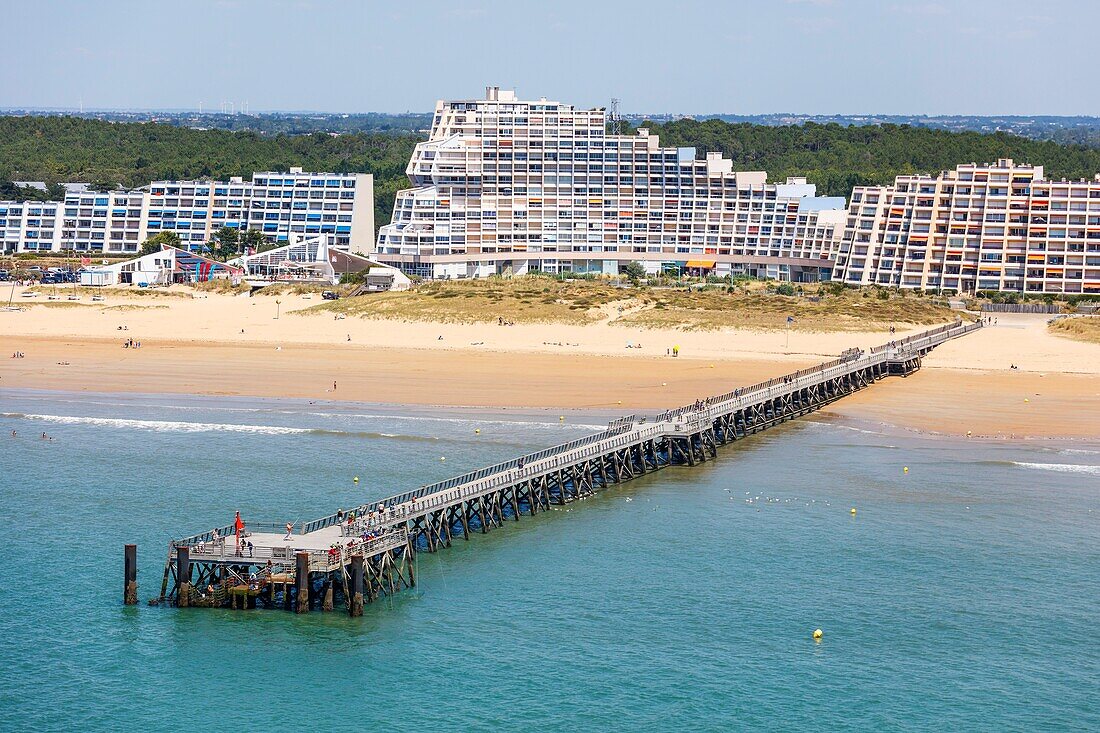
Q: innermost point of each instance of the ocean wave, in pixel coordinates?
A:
(175, 426)
(1060, 467)
(160, 426)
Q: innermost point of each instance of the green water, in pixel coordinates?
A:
(964, 595)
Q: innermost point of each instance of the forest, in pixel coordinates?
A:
(835, 157)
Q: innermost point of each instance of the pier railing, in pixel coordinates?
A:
(318, 559)
(625, 431)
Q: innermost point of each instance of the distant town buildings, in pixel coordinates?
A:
(283, 205)
(505, 186)
(999, 227)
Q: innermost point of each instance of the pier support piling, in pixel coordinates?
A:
(355, 599)
(129, 590)
(301, 581)
(183, 577)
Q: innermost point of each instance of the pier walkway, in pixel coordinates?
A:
(367, 551)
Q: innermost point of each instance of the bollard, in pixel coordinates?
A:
(301, 581)
(129, 589)
(183, 577)
(355, 603)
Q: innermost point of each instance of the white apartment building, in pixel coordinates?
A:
(102, 222)
(509, 186)
(285, 206)
(27, 225)
(194, 210)
(295, 204)
(994, 227)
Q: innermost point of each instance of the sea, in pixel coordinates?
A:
(963, 594)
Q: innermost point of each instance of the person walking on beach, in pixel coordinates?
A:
(334, 385)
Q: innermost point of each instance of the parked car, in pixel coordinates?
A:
(330, 295)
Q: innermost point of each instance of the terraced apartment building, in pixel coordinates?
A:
(999, 226)
(285, 206)
(504, 186)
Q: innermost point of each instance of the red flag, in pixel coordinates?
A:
(238, 525)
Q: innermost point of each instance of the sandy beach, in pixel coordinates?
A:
(233, 345)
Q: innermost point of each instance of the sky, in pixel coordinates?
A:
(981, 57)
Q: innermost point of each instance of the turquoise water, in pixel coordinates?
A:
(965, 595)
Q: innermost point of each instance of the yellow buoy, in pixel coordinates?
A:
(561, 418)
(356, 479)
(443, 458)
(905, 469)
(853, 512)
(817, 634)
(477, 431)
(620, 402)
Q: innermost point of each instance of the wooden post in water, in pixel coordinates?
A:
(129, 590)
(183, 576)
(301, 581)
(326, 595)
(355, 602)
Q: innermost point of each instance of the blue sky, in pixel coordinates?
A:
(738, 56)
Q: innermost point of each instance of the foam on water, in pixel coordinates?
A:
(1060, 467)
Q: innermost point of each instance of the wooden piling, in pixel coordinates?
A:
(129, 589)
(301, 581)
(183, 577)
(355, 600)
(326, 596)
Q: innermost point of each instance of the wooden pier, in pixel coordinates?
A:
(352, 557)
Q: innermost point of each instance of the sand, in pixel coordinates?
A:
(196, 346)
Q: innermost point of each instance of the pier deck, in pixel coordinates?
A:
(383, 535)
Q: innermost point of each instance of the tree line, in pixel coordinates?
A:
(835, 157)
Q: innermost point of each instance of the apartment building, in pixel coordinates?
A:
(111, 222)
(296, 204)
(509, 186)
(999, 226)
(27, 226)
(194, 210)
(285, 206)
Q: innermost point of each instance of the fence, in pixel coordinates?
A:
(1020, 308)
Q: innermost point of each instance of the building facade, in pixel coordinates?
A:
(508, 186)
(995, 227)
(285, 206)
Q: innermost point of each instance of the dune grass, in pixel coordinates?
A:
(850, 310)
(520, 300)
(544, 300)
(1083, 328)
